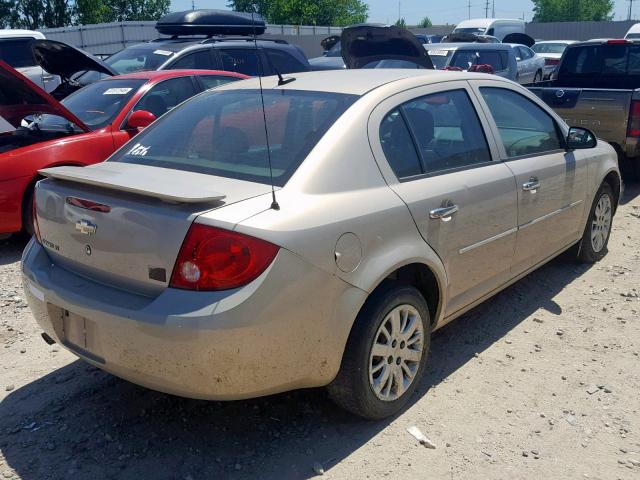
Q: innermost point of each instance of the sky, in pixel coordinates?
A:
(386, 11)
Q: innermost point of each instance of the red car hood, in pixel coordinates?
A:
(20, 97)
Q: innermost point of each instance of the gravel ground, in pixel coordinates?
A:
(540, 382)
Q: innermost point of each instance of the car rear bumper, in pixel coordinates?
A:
(285, 330)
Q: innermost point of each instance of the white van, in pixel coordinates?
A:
(634, 32)
(15, 49)
(495, 27)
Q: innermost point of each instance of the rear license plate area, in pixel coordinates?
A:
(78, 334)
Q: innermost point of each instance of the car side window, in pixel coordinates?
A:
(17, 52)
(447, 131)
(200, 60)
(525, 53)
(213, 81)
(398, 146)
(284, 62)
(241, 60)
(525, 128)
(166, 95)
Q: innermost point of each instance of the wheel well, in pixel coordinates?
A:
(421, 277)
(613, 180)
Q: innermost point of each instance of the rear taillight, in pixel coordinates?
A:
(633, 129)
(551, 61)
(618, 41)
(34, 213)
(215, 259)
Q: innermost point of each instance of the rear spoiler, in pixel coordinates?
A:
(174, 186)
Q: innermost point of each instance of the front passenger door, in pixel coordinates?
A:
(552, 183)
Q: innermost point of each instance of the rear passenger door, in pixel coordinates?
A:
(248, 61)
(198, 60)
(552, 183)
(431, 145)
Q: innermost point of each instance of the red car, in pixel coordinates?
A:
(36, 131)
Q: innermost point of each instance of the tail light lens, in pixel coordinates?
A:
(215, 259)
(34, 213)
(633, 130)
(552, 61)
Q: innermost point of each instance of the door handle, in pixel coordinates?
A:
(532, 185)
(443, 213)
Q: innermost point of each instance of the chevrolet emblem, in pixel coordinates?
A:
(86, 227)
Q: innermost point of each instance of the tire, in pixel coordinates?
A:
(367, 384)
(27, 212)
(593, 245)
(537, 77)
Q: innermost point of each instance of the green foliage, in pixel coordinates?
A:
(425, 23)
(35, 14)
(306, 12)
(572, 10)
(401, 23)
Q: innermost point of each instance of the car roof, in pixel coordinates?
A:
(179, 44)
(10, 33)
(354, 82)
(163, 74)
(602, 41)
(469, 46)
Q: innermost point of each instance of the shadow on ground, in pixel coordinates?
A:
(79, 422)
(11, 249)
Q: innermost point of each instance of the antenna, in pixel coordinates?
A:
(274, 202)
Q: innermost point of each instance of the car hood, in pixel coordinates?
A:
(364, 44)
(519, 38)
(64, 60)
(20, 97)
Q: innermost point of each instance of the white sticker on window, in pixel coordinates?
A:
(164, 53)
(138, 150)
(438, 53)
(117, 91)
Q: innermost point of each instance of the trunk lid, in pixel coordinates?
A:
(20, 97)
(61, 59)
(124, 225)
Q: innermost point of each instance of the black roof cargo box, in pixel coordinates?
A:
(211, 22)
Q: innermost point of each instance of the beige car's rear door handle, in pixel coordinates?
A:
(532, 185)
(443, 213)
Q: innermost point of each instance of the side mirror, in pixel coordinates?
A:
(140, 119)
(580, 138)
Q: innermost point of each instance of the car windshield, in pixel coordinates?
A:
(97, 104)
(129, 60)
(468, 57)
(223, 133)
(549, 47)
(335, 51)
(474, 30)
(631, 36)
(440, 58)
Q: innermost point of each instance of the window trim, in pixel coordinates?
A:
(423, 166)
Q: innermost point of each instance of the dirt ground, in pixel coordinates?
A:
(543, 382)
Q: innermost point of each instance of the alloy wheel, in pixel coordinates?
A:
(601, 223)
(396, 353)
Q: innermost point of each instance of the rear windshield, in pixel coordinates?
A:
(129, 60)
(607, 59)
(549, 47)
(223, 133)
(440, 58)
(472, 30)
(468, 57)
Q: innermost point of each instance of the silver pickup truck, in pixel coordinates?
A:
(597, 86)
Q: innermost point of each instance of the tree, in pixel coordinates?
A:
(425, 23)
(401, 23)
(306, 12)
(572, 10)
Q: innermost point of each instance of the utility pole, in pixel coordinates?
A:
(493, 9)
(193, 4)
(486, 9)
(469, 7)
(399, 12)
(630, 9)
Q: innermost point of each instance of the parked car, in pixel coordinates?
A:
(85, 128)
(425, 38)
(15, 50)
(551, 51)
(394, 203)
(463, 56)
(598, 86)
(495, 27)
(530, 64)
(633, 33)
(208, 39)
